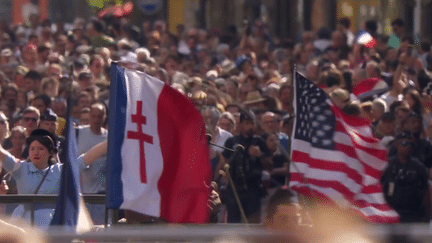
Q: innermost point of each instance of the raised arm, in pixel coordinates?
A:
(97, 151)
(3, 155)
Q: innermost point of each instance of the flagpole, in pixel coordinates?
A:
(237, 198)
(303, 178)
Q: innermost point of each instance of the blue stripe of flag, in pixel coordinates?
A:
(67, 205)
(117, 123)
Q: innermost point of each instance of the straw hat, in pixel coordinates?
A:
(254, 97)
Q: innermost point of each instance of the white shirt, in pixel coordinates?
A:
(388, 99)
(222, 136)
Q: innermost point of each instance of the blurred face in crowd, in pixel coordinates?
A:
(22, 100)
(30, 121)
(414, 125)
(272, 142)
(226, 124)
(312, 71)
(19, 80)
(286, 95)
(243, 92)
(18, 139)
(408, 99)
(43, 55)
(83, 102)
(4, 126)
(84, 119)
(269, 123)
(85, 82)
(91, 30)
(398, 30)
(247, 67)
(247, 128)
(39, 104)
(54, 71)
(10, 95)
(59, 107)
(30, 55)
(29, 84)
(50, 126)
(404, 146)
(337, 39)
(386, 127)
(97, 67)
(97, 116)
(285, 67)
(208, 119)
(171, 65)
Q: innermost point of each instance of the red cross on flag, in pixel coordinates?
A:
(158, 157)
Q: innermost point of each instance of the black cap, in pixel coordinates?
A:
(49, 115)
(38, 133)
(84, 75)
(246, 115)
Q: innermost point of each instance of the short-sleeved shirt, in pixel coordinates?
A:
(28, 177)
(93, 177)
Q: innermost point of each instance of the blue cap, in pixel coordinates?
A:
(242, 59)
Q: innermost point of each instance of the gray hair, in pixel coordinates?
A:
(214, 115)
(229, 117)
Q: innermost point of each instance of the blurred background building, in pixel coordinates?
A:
(284, 18)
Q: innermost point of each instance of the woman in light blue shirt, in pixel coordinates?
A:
(40, 173)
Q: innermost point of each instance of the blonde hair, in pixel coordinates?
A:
(340, 94)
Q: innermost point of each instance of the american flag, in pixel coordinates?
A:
(335, 157)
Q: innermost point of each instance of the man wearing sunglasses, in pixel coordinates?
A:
(405, 182)
(30, 119)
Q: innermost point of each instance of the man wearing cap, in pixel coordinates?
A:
(244, 64)
(49, 122)
(85, 79)
(246, 171)
(405, 182)
(422, 149)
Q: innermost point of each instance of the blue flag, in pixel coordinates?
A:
(67, 206)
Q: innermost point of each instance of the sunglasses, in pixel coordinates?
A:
(26, 119)
(406, 143)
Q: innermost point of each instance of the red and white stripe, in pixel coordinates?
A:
(176, 162)
(347, 176)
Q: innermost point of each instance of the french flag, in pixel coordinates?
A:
(366, 39)
(158, 162)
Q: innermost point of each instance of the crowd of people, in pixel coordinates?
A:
(241, 81)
